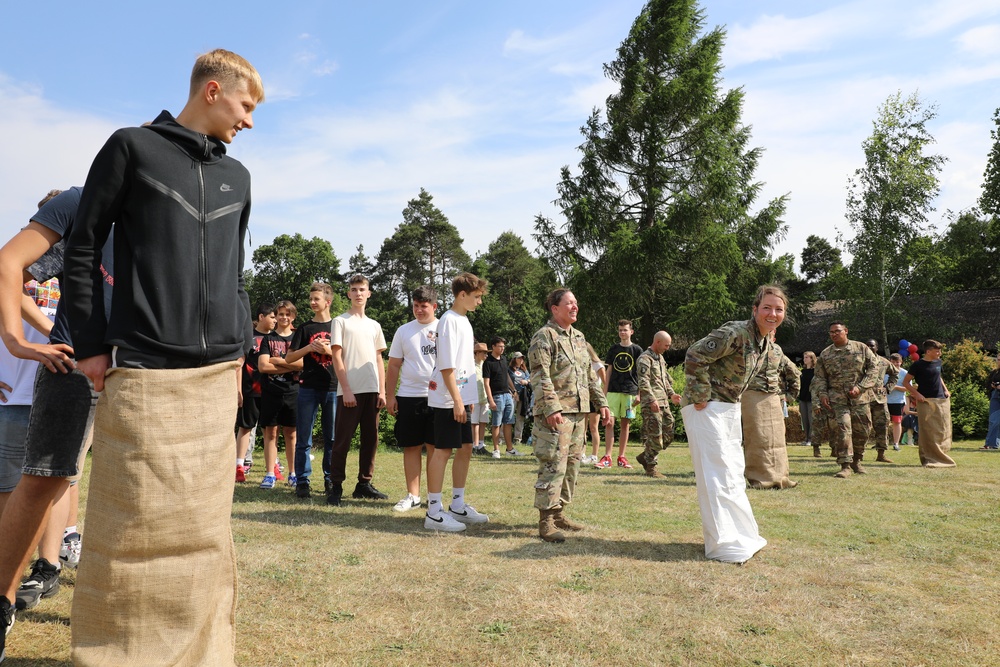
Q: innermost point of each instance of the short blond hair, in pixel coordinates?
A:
(229, 69)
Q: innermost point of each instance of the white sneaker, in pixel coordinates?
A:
(588, 460)
(406, 504)
(496, 453)
(443, 522)
(469, 515)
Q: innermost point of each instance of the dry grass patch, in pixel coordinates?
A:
(892, 568)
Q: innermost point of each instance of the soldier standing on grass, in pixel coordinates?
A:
(565, 388)
(887, 375)
(846, 374)
(655, 393)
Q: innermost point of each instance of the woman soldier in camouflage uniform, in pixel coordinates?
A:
(719, 368)
(566, 388)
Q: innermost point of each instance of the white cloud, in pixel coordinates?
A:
(45, 147)
(981, 41)
(774, 37)
(942, 15)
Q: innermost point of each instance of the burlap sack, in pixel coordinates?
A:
(764, 441)
(935, 433)
(157, 579)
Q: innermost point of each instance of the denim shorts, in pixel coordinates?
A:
(13, 431)
(504, 414)
(62, 417)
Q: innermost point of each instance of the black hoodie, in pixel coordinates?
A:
(180, 207)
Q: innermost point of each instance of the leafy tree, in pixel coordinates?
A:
(286, 268)
(425, 249)
(989, 201)
(360, 263)
(819, 259)
(658, 219)
(887, 205)
(964, 258)
(519, 282)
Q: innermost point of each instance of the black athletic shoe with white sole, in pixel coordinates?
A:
(43, 582)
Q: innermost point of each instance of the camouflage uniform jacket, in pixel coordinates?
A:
(562, 378)
(778, 375)
(840, 369)
(719, 367)
(889, 375)
(655, 385)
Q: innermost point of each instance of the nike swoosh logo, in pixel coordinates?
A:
(459, 513)
(440, 520)
(225, 188)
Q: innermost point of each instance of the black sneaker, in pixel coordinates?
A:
(6, 622)
(43, 582)
(334, 493)
(366, 490)
(328, 485)
(302, 489)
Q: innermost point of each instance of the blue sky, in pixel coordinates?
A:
(479, 103)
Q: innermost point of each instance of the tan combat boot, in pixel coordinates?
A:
(564, 522)
(856, 464)
(845, 471)
(650, 470)
(882, 458)
(547, 527)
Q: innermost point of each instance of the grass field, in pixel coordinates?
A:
(897, 567)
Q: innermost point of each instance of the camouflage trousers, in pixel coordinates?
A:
(852, 424)
(880, 425)
(822, 424)
(657, 432)
(558, 452)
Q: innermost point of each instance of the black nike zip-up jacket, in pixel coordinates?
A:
(180, 207)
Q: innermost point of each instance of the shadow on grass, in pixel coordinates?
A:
(35, 662)
(681, 479)
(592, 546)
(32, 616)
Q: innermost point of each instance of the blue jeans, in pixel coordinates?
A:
(993, 434)
(504, 414)
(309, 403)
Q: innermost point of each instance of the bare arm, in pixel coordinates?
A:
(391, 380)
(18, 254)
(908, 386)
(338, 367)
(448, 377)
(381, 378)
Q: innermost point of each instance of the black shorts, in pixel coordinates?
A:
(895, 409)
(414, 422)
(247, 416)
(448, 433)
(278, 408)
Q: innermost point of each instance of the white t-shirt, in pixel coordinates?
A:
(455, 344)
(361, 341)
(414, 344)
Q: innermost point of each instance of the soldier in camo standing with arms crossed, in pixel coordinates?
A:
(655, 393)
(846, 374)
(566, 388)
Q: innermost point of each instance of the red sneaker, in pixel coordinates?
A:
(241, 475)
(277, 473)
(605, 462)
(622, 462)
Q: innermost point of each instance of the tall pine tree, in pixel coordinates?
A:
(658, 218)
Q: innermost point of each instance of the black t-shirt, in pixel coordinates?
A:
(317, 369)
(495, 371)
(621, 360)
(251, 376)
(927, 376)
(276, 345)
(805, 396)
